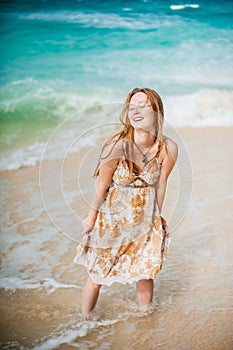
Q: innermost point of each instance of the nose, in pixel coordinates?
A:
(136, 109)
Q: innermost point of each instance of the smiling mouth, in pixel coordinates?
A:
(137, 119)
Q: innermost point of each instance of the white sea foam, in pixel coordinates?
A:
(27, 157)
(203, 108)
(9, 345)
(71, 331)
(49, 284)
(24, 81)
(181, 7)
(100, 20)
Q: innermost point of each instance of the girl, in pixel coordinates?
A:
(125, 236)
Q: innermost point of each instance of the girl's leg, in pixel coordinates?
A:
(89, 296)
(145, 291)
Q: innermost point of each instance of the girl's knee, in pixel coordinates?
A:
(145, 286)
(97, 286)
(145, 282)
(94, 285)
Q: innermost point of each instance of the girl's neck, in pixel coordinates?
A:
(144, 138)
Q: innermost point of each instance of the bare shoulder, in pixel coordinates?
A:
(171, 147)
(169, 156)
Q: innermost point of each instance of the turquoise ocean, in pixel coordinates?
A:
(62, 57)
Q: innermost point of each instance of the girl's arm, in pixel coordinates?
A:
(169, 159)
(107, 167)
(104, 181)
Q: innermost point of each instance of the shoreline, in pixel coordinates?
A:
(182, 131)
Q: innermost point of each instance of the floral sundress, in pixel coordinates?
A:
(128, 242)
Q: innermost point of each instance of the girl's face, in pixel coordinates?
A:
(141, 114)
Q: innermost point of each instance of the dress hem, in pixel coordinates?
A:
(97, 278)
(107, 282)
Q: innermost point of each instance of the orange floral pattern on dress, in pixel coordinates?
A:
(127, 242)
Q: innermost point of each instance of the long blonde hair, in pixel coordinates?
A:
(127, 131)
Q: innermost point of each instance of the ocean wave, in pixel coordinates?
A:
(49, 284)
(68, 333)
(138, 21)
(203, 108)
(31, 100)
(206, 107)
(22, 157)
(28, 80)
(182, 7)
(54, 150)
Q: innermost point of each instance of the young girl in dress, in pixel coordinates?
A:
(124, 235)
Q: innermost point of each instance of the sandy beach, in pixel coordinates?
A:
(41, 286)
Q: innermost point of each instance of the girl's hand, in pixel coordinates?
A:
(164, 222)
(87, 225)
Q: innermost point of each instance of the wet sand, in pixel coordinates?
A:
(41, 286)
